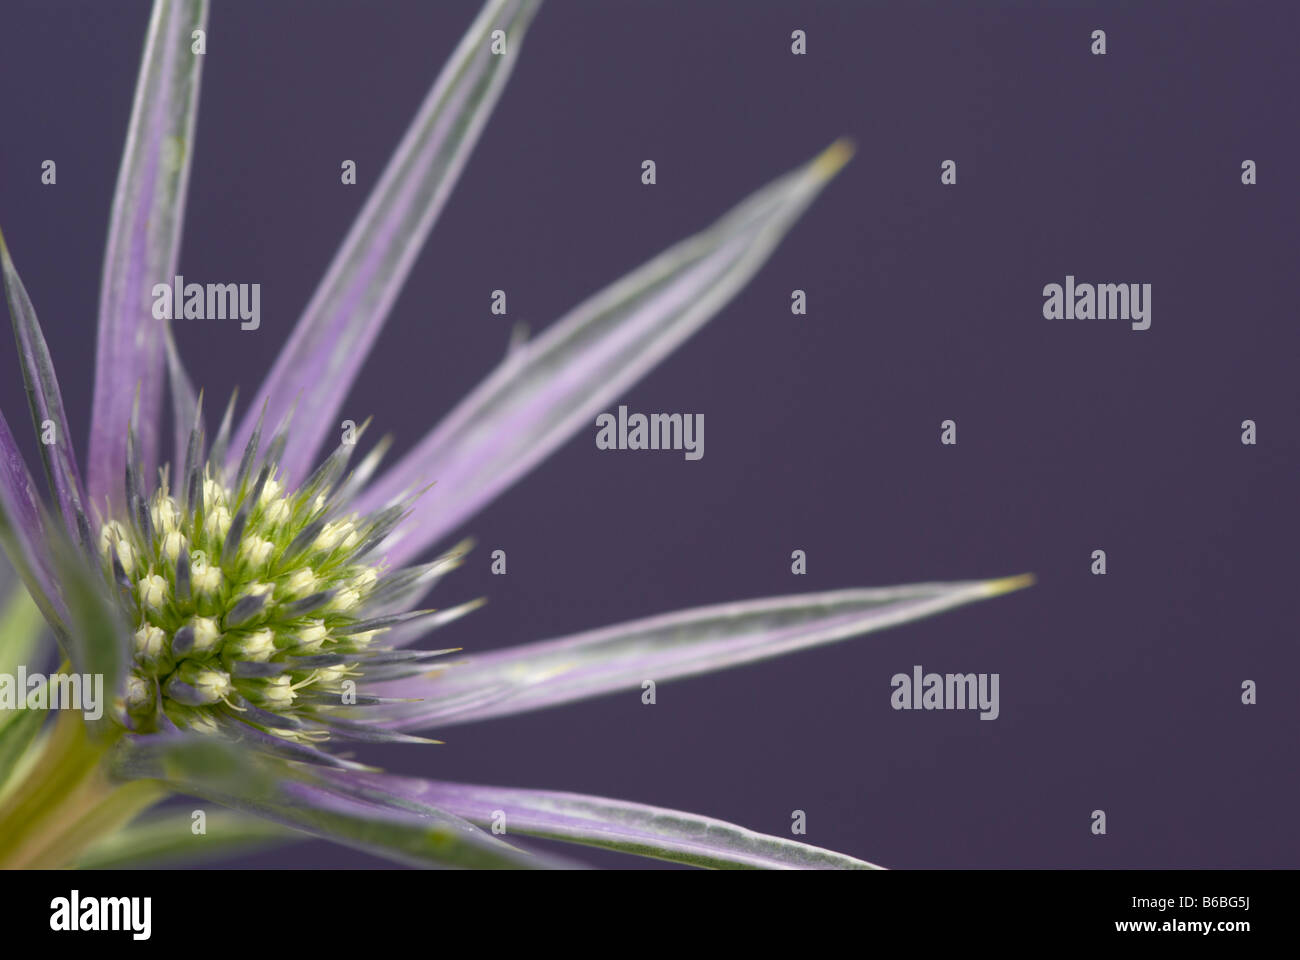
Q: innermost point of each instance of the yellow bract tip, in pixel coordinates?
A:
(1009, 584)
(830, 160)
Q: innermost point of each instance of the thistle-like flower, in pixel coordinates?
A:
(244, 598)
(244, 594)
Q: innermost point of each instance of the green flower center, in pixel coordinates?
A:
(243, 602)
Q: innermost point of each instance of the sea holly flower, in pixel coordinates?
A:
(254, 608)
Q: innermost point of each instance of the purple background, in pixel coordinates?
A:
(1120, 692)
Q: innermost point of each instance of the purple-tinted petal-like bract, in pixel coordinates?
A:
(664, 647)
(45, 399)
(323, 356)
(547, 389)
(143, 245)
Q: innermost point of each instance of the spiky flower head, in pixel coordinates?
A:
(249, 601)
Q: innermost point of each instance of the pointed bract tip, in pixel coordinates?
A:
(995, 588)
(833, 158)
(460, 551)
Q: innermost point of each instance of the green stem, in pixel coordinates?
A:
(20, 627)
(67, 802)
